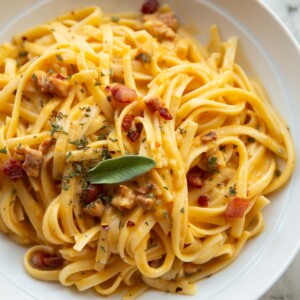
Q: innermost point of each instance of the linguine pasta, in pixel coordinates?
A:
(88, 87)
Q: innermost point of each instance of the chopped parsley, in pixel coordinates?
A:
(58, 56)
(250, 139)
(23, 53)
(232, 190)
(143, 57)
(69, 154)
(56, 128)
(212, 164)
(102, 137)
(181, 130)
(182, 210)
(105, 154)
(277, 173)
(34, 77)
(3, 150)
(97, 82)
(113, 140)
(115, 19)
(80, 144)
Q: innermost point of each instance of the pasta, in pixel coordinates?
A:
(88, 87)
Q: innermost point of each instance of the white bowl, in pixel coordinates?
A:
(269, 53)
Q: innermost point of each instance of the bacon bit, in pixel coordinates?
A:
(127, 121)
(124, 199)
(51, 83)
(90, 194)
(161, 26)
(196, 177)
(145, 202)
(169, 19)
(203, 200)
(94, 209)
(123, 94)
(42, 260)
(236, 208)
(153, 103)
(139, 127)
(164, 113)
(53, 261)
(46, 145)
(133, 135)
(13, 169)
(156, 263)
(59, 76)
(105, 227)
(130, 224)
(210, 136)
(33, 160)
(157, 144)
(150, 7)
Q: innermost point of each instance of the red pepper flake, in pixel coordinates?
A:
(59, 76)
(150, 7)
(236, 208)
(127, 121)
(24, 38)
(157, 144)
(203, 201)
(13, 169)
(105, 227)
(130, 224)
(164, 113)
(90, 194)
(133, 135)
(107, 88)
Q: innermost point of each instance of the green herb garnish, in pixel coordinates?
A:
(3, 150)
(251, 139)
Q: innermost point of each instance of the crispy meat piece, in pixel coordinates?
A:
(196, 177)
(152, 103)
(127, 121)
(150, 7)
(162, 26)
(164, 113)
(13, 169)
(124, 199)
(42, 260)
(45, 146)
(33, 160)
(95, 208)
(54, 84)
(147, 203)
(123, 94)
(236, 208)
(210, 136)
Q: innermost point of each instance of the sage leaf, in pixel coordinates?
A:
(120, 169)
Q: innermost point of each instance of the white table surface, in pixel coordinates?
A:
(288, 286)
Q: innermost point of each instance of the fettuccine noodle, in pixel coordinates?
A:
(87, 87)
